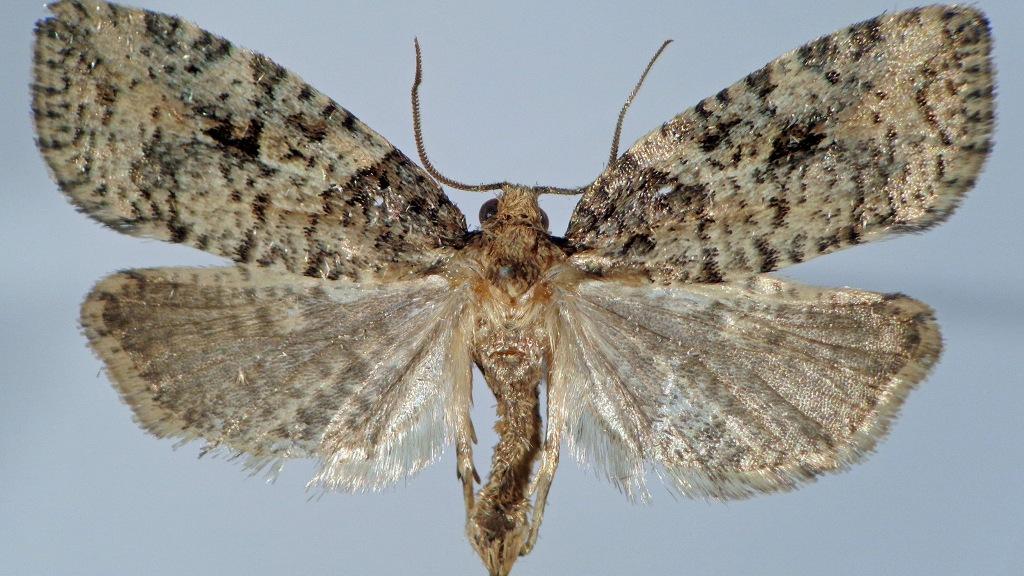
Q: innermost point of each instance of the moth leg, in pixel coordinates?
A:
(465, 469)
(540, 487)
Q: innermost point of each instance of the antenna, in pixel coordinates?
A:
(418, 133)
(629, 100)
(441, 178)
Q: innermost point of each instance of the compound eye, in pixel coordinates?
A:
(488, 210)
(544, 220)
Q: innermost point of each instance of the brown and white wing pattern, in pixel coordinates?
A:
(734, 388)
(877, 129)
(161, 129)
(370, 379)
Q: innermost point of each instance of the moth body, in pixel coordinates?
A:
(508, 263)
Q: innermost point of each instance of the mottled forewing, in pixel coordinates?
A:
(875, 130)
(734, 388)
(368, 379)
(160, 129)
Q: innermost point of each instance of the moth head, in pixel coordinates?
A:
(516, 206)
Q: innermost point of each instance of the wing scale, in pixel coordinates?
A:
(734, 388)
(875, 130)
(370, 380)
(160, 129)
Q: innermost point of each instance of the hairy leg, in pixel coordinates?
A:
(465, 469)
(540, 487)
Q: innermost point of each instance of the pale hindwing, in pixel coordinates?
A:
(877, 129)
(731, 389)
(369, 379)
(161, 129)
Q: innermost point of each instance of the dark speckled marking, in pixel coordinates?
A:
(769, 255)
(760, 82)
(930, 117)
(710, 271)
(702, 110)
(827, 243)
(211, 48)
(795, 144)
(638, 245)
(178, 231)
(349, 122)
(313, 130)
(243, 253)
(865, 37)
(780, 166)
(781, 208)
(163, 31)
(267, 74)
(248, 144)
(259, 208)
(224, 159)
(716, 133)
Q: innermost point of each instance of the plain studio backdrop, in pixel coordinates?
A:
(526, 92)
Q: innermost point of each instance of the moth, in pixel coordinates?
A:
(358, 302)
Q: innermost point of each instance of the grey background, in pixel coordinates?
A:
(527, 92)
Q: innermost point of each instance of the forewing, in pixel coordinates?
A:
(160, 129)
(734, 388)
(875, 130)
(368, 379)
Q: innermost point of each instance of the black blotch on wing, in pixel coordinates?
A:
(248, 144)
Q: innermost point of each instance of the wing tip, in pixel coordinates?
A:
(95, 322)
(138, 393)
(76, 11)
